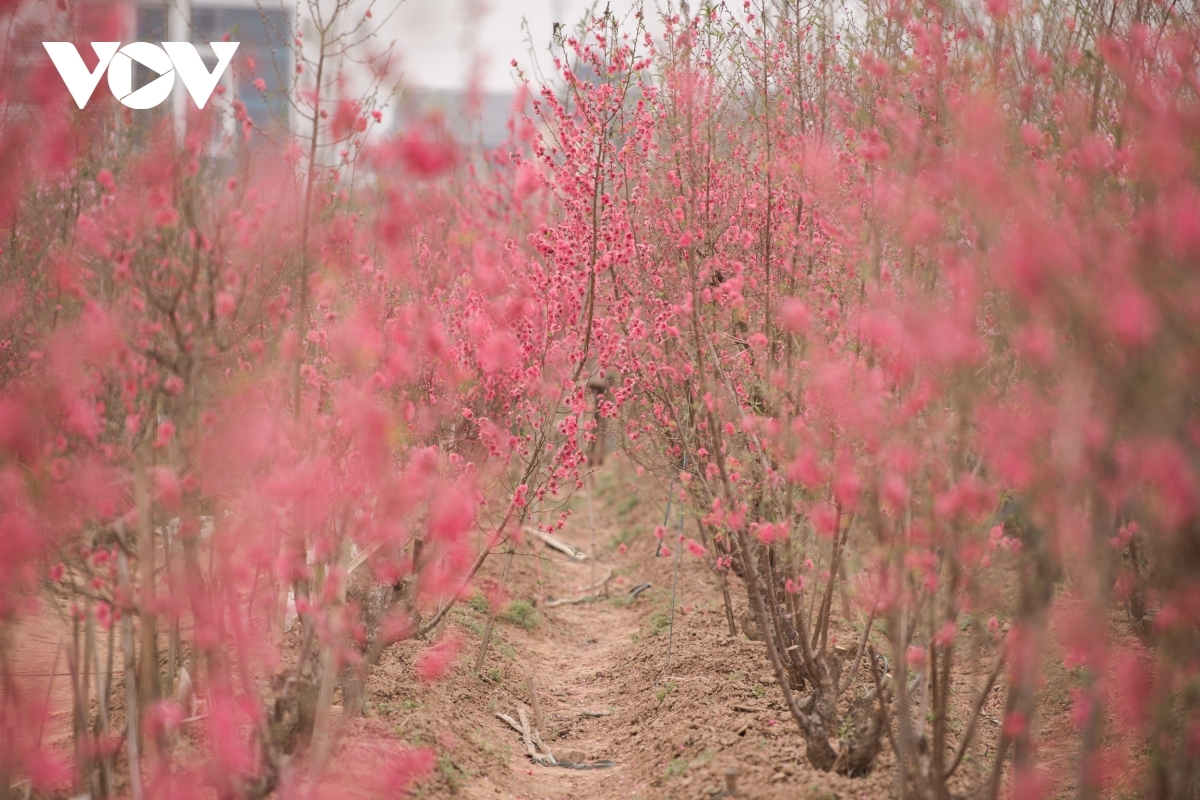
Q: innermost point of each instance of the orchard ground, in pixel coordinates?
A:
(671, 735)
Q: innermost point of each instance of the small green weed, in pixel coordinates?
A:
(627, 506)
(522, 614)
(479, 604)
(451, 773)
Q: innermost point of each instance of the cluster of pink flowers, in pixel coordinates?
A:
(905, 312)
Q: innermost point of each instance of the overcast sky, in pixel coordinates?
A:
(437, 46)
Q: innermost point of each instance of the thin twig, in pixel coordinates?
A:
(862, 642)
(491, 623)
(666, 515)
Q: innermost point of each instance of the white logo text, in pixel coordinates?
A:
(166, 61)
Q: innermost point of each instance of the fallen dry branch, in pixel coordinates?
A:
(558, 544)
(571, 601)
(637, 590)
(533, 742)
(533, 738)
(512, 723)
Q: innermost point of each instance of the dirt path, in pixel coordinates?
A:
(577, 656)
(674, 732)
(41, 671)
(671, 732)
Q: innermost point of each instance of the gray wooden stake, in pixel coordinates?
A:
(674, 581)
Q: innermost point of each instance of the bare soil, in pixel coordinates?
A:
(671, 734)
(668, 733)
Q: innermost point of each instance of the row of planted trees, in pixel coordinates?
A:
(899, 299)
(904, 295)
(249, 378)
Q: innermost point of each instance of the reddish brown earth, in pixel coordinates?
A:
(40, 667)
(670, 735)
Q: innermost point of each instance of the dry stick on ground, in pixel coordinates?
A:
(534, 735)
(516, 726)
(491, 623)
(557, 544)
(526, 736)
